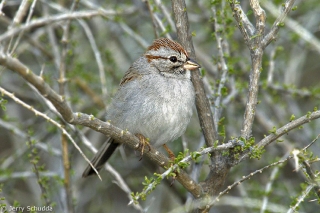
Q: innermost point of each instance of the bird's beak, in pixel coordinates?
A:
(191, 65)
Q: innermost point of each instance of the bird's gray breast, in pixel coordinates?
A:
(157, 107)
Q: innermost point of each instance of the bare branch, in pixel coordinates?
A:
(37, 113)
(284, 130)
(97, 55)
(122, 184)
(295, 26)
(49, 20)
(202, 103)
(286, 8)
(222, 66)
(260, 16)
(300, 199)
(245, 26)
(244, 178)
(256, 60)
(152, 15)
(288, 127)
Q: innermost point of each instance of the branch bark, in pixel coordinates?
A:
(202, 103)
(218, 168)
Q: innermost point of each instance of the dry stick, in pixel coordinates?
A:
(312, 178)
(246, 28)
(268, 189)
(301, 198)
(97, 100)
(224, 68)
(202, 103)
(257, 44)
(97, 55)
(252, 36)
(141, 41)
(23, 8)
(37, 113)
(118, 179)
(155, 26)
(302, 93)
(166, 13)
(52, 19)
(27, 21)
(123, 185)
(156, 22)
(62, 88)
(281, 131)
(304, 34)
(90, 121)
(66, 171)
(162, 27)
(23, 135)
(286, 8)
(271, 66)
(256, 52)
(247, 177)
(288, 127)
(218, 169)
(90, 37)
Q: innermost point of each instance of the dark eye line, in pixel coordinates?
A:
(156, 57)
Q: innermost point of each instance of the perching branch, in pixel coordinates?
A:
(77, 118)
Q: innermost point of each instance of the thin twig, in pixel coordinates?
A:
(295, 26)
(166, 13)
(97, 55)
(50, 20)
(152, 15)
(122, 184)
(300, 199)
(268, 188)
(256, 63)
(222, 66)
(245, 26)
(282, 131)
(27, 21)
(286, 8)
(37, 113)
(20, 14)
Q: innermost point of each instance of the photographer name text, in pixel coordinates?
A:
(27, 208)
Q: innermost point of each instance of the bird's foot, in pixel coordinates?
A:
(143, 143)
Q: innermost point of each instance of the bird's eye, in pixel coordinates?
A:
(173, 59)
